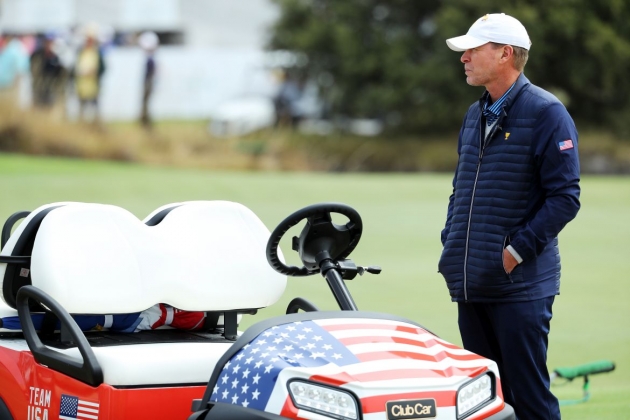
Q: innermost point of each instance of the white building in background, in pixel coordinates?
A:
(213, 55)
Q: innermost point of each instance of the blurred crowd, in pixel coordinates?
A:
(64, 64)
(63, 72)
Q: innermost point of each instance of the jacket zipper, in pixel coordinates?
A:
(482, 144)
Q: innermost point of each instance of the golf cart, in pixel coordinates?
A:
(67, 260)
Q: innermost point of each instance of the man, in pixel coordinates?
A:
(88, 71)
(47, 74)
(515, 187)
(149, 42)
(14, 63)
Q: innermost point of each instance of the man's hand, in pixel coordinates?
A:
(509, 262)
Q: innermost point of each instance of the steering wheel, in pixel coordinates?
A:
(319, 235)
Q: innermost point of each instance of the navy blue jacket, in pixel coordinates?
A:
(519, 186)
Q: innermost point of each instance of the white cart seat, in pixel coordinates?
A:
(201, 256)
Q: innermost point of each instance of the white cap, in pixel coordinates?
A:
(495, 27)
(90, 30)
(148, 41)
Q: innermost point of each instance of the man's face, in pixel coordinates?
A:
(481, 64)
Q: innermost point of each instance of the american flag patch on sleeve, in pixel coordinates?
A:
(565, 145)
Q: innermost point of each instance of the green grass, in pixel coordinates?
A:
(402, 215)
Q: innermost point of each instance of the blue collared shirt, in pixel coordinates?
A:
(491, 111)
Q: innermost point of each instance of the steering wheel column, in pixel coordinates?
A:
(330, 271)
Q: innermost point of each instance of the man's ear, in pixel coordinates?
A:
(508, 51)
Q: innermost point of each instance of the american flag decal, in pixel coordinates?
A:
(72, 408)
(565, 145)
(379, 360)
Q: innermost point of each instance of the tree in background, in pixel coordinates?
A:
(387, 59)
(366, 55)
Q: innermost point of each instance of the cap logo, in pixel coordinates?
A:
(485, 17)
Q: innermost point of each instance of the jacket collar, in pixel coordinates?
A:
(520, 83)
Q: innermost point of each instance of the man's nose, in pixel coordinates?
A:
(465, 57)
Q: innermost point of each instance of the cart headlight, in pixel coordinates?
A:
(324, 400)
(475, 394)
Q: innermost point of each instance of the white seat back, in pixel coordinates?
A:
(203, 256)
(21, 270)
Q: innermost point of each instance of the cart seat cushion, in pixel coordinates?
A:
(202, 256)
(157, 363)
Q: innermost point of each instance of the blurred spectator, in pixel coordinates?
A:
(13, 66)
(29, 42)
(149, 42)
(288, 112)
(47, 74)
(88, 70)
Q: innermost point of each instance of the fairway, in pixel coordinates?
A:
(403, 215)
